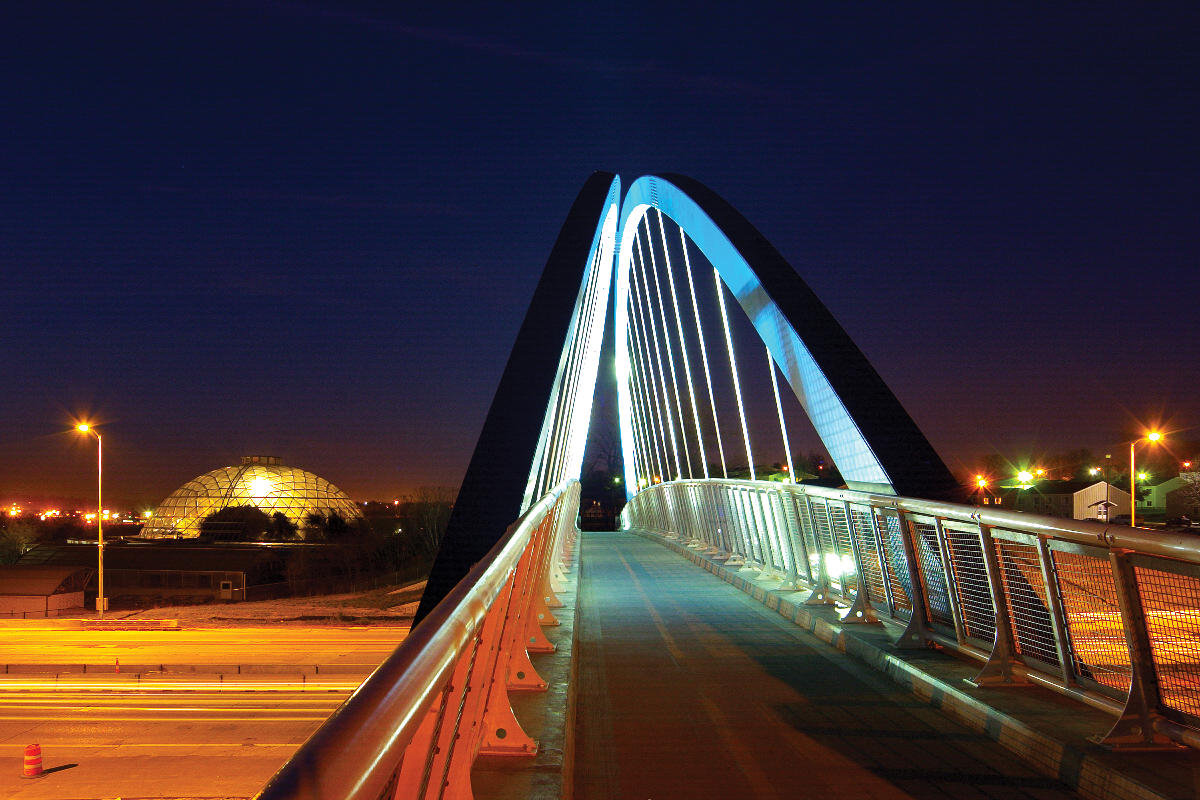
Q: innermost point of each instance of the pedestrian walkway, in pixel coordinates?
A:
(688, 688)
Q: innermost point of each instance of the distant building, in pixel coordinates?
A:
(1101, 501)
(41, 590)
(262, 482)
(178, 572)
(1067, 499)
(1171, 498)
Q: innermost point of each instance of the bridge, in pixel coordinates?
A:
(743, 632)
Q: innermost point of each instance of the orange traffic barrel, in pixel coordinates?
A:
(33, 761)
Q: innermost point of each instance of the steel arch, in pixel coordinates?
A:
(871, 438)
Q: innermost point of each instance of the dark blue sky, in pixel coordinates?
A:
(311, 230)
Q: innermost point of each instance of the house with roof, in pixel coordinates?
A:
(41, 590)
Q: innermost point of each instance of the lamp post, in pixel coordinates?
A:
(1153, 437)
(83, 427)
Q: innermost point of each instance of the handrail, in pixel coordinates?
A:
(1107, 614)
(387, 734)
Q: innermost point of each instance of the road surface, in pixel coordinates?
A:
(197, 729)
(343, 647)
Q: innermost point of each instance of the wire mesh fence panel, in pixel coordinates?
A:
(1170, 601)
(895, 564)
(847, 571)
(971, 584)
(1096, 636)
(864, 534)
(770, 519)
(933, 576)
(808, 531)
(1025, 593)
(754, 531)
(830, 559)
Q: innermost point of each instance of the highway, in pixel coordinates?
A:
(117, 741)
(344, 647)
(205, 712)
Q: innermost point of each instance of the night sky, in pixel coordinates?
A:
(311, 230)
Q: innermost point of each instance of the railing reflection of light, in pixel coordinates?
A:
(415, 726)
(1108, 615)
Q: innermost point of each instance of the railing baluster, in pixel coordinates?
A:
(999, 667)
(1058, 619)
(884, 567)
(860, 611)
(1136, 728)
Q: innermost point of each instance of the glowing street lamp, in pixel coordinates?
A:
(1025, 477)
(1153, 437)
(84, 427)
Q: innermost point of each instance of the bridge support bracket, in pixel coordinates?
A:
(998, 672)
(502, 734)
(913, 637)
(860, 611)
(819, 596)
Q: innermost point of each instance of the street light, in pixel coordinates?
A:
(83, 427)
(1153, 437)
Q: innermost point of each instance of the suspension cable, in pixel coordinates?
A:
(687, 363)
(737, 384)
(648, 374)
(653, 334)
(712, 403)
(666, 333)
(650, 453)
(787, 448)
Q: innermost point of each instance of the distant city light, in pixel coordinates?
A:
(1143, 476)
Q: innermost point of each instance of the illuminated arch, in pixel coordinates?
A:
(871, 438)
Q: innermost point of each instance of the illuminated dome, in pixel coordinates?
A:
(262, 482)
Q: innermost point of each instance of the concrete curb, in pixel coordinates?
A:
(1067, 762)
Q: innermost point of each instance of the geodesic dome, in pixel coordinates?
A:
(260, 481)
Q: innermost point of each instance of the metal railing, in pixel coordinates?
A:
(1107, 614)
(415, 726)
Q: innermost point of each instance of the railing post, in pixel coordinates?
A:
(764, 520)
(885, 569)
(711, 523)
(916, 634)
(781, 504)
(998, 670)
(819, 596)
(499, 731)
(960, 632)
(795, 529)
(1135, 729)
(860, 611)
(733, 525)
(1058, 619)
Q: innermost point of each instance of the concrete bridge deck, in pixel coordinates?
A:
(689, 688)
